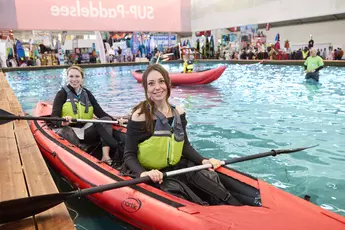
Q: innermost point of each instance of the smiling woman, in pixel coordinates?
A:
(73, 101)
(157, 142)
(156, 86)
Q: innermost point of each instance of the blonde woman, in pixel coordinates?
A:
(74, 101)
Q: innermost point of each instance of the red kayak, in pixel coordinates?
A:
(195, 78)
(264, 207)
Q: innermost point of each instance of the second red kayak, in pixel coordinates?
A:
(196, 78)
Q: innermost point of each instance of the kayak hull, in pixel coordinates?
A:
(146, 207)
(194, 78)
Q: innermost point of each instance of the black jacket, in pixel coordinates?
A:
(61, 98)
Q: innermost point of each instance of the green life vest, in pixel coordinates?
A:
(189, 66)
(164, 147)
(305, 54)
(78, 107)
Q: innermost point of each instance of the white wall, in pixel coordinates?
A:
(215, 14)
(3, 51)
(323, 33)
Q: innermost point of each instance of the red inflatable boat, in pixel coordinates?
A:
(264, 206)
(195, 78)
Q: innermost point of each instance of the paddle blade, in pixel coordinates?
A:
(12, 210)
(265, 154)
(5, 113)
(4, 121)
(285, 151)
(5, 117)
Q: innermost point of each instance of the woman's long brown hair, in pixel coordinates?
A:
(147, 107)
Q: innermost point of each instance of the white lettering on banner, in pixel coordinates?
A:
(112, 13)
(133, 10)
(164, 37)
(138, 12)
(55, 10)
(121, 10)
(163, 40)
(78, 8)
(94, 11)
(64, 11)
(103, 11)
(73, 12)
(150, 12)
(85, 12)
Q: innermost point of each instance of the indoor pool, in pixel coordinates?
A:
(249, 109)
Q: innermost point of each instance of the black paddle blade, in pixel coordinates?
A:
(265, 154)
(21, 208)
(293, 150)
(5, 113)
(12, 210)
(5, 117)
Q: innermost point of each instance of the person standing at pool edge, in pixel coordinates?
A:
(313, 65)
(74, 101)
(156, 142)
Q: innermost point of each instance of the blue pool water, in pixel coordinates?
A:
(249, 109)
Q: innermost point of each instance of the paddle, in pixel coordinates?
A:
(164, 56)
(6, 117)
(21, 208)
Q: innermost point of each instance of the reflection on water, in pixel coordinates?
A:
(186, 95)
(249, 109)
(84, 213)
(313, 88)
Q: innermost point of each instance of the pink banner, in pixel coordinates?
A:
(104, 15)
(8, 19)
